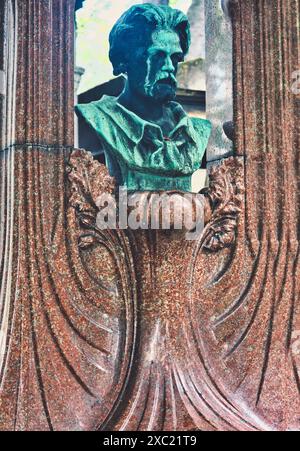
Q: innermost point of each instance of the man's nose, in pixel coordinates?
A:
(168, 65)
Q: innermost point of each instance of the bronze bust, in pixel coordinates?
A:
(149, 141)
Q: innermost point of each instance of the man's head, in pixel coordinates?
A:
(147, 43)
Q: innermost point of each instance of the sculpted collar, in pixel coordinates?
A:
(137, 152)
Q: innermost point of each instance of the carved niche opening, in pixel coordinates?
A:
(191, 76)
(231, 199)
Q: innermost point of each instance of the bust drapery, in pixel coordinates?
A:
(137, 152)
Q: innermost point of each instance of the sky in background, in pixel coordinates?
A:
(94, 22)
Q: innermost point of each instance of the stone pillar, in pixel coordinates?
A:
(79, 71)
(8, 48)
(218, 62)
(65, 347)
(36, 134)
(263, 316)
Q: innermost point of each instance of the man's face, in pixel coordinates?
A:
(152, 71)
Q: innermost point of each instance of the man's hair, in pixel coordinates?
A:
(135, 26)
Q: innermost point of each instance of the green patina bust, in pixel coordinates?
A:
(149, 141)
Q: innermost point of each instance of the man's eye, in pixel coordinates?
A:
(160, 54)
(177, 58)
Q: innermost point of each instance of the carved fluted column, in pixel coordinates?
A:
(57, 351)
(256, 320)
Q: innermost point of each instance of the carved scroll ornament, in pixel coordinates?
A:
(222, 200)
(162, 298)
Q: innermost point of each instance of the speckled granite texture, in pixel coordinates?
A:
(143, 330)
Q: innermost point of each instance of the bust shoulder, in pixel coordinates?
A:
(145, 159)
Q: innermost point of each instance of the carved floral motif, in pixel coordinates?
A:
(225, 194)
(223, 199)
(88, 180)
(166, 358)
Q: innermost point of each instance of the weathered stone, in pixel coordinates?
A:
(191, 75)
(144, 330)
(218, 64)
(196, 17)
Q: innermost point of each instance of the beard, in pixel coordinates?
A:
(164, 90)
(164, 93)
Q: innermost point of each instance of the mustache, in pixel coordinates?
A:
(168, 79)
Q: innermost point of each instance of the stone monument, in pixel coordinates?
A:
(124, 329)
